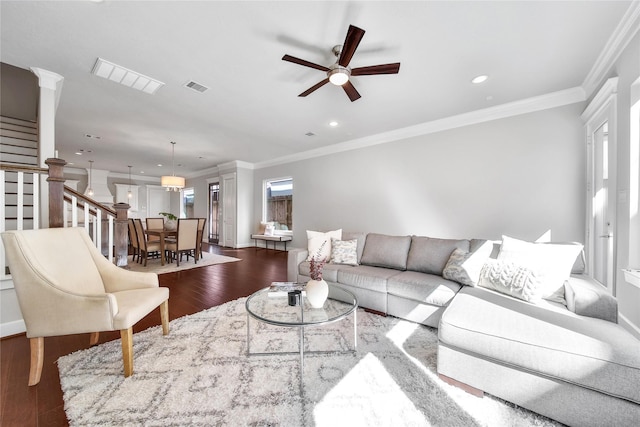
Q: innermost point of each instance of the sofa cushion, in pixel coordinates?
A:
(430, 255)
(329, 271)
(386, 251)
(422, 287)
(367, 277)
(546, 339)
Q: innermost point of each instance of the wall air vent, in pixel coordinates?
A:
(196, 86)
(132, 79)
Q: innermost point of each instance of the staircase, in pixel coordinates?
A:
(18, 142)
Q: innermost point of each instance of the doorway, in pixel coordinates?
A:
(600, 236)
(214, 212)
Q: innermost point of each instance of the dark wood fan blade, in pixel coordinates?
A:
(351, 91)
(376, 69)
(351, 42)
(314, 87)
(304, 63)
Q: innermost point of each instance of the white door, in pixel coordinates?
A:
(603, 207)
(229, 208)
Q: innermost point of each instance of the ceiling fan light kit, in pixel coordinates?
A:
(340, 73)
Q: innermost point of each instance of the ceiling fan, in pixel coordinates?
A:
(339, 73)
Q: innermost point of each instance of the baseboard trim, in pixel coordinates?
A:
(12, 328)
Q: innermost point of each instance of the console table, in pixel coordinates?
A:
(274, 239)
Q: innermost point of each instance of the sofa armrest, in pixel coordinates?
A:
(586, 297)
(294, 258)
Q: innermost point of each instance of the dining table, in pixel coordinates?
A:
(162, 234)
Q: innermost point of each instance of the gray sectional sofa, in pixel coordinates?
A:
(572, 362)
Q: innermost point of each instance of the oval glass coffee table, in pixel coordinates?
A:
(274, 309)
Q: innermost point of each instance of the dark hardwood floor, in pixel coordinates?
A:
(191, 291)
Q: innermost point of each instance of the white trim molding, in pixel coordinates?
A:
(12, 328)
(623, 34)
(524, 106)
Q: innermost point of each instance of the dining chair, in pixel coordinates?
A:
(146, 246)
(133, 239)
(92, 296)
(154, 224)
(201, 225)
(186, 240)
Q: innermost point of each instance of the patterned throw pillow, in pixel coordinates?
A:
(344, 252)
(511, 279)
(464, 267)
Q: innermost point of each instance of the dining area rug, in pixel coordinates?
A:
(155, 266)
(200, 375)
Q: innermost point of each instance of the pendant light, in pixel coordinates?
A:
(172, 182)
(129, 193)
(90, 189)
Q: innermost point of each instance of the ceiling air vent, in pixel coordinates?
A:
(196, 86)
(310, 134)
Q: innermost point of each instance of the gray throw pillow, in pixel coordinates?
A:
(386, 251)
(464, 267)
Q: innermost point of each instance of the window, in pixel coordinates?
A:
(278, 204)
(186, 210)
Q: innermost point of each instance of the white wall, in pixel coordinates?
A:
(520, 176)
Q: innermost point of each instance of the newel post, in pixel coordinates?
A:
(56, 192)
(121, 233)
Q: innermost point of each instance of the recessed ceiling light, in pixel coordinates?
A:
(88, 135)
(479, 79)
(78, 153)
(333, 124)
(159, 165)
(141, 171)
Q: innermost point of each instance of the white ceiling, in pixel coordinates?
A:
(252, 112)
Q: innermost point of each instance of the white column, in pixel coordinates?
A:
(50, 87)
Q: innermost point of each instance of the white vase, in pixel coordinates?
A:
(317, 292)
(171, 225)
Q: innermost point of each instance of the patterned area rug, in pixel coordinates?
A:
(200, 375)
(155, 266)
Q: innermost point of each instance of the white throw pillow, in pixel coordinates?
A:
(315, 239)
(551, 263)
(510, 279)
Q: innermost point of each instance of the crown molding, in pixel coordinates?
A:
(529, 105)
(620, 38)
(601, 98)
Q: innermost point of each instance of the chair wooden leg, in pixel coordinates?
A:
(126, 336)
(37, 360)
(93, 339)
(164, 316)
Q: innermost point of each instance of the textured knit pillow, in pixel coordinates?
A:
(315, 240)
(552, 263)
(464, 267)
(344, 252)
(510, 279)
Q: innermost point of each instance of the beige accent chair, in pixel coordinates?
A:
(146, 246)
(66, 286)
(186, 240)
